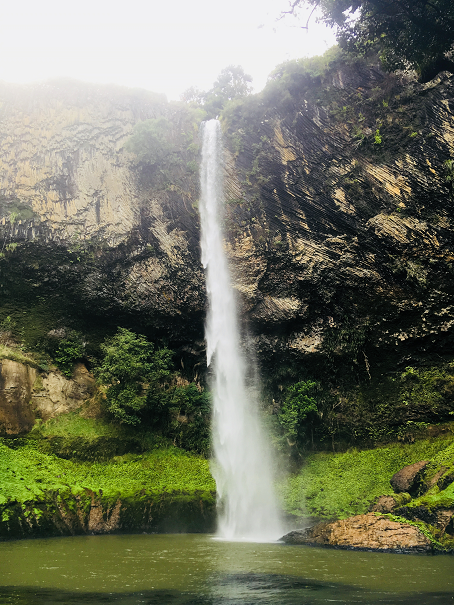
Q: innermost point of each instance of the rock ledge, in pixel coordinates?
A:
(363, 532)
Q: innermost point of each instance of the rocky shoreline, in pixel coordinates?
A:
(371, 532)
(401, 523)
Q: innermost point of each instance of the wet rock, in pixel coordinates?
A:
(364, 532)
(25, 394)
(408, 479)
(384, 504)
(16, 380)
(441, 518)
(435, 479)
(445, 481)
(387, 503)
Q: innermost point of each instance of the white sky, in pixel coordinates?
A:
(163, 46)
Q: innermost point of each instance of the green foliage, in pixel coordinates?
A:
(151, 140)
(298, 411)
(399, 405)
(190, 410)
(69, 350)
(408, 33)
(232, 83)
(423, 528)
(17, 355)
(7, 325)
(170, 140)
(140, 389)
(377, 137)
(346, 339)
(448, 170)
(26, 473)
(131, 368)
(344, 484)
(290, 80)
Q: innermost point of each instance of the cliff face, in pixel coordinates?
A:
(341, 228)
(26, 394)
(94, 227)
(339, 218)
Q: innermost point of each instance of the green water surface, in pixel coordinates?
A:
(197, 569)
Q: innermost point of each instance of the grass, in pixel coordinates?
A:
(340, 485)
(17, 355)
(29, 469)
(27, 474)
(76, 425)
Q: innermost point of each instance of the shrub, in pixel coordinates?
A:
(131, 368)
(69, 350)
(298, 411)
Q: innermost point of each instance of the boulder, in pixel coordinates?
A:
(388, 503)
(384, 504)
(408, 478)
(363, 532)
(441, 518)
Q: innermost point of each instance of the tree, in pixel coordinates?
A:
(167, 142)
(232, 83)
(190, 410)
(298, 411)
(151, 140)
(131, 368)
(416, 34)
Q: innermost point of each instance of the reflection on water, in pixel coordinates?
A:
(196, 570)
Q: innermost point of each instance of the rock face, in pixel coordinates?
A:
(101, 230)
(89, 513)
(364, 532)
(335, 211)
(26, 394)
(16, 384)
(338, 217)
(408, 479)
(384, 504)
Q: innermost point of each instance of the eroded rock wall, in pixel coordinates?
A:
(340, 218)
(26, 394)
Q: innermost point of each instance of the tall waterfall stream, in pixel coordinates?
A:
(242, 466)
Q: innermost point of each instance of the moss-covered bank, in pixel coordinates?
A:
(67, 478)
(340, 485)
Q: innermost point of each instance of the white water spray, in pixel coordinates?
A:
(242, 467)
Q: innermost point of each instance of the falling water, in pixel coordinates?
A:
(242, 466)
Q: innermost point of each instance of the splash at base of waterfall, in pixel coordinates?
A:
(242, 464)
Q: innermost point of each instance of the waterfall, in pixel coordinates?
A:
(242, 461)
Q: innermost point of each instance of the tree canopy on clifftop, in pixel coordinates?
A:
(416, 34)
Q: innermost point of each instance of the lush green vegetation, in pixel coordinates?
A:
(142, 388)
(130, 368)
(72, 456)
(298, 411)
(138, 382)
(338, 485)
(167, 141)
(416, 33)
(66, 462)
(26, 473)
(399, 406)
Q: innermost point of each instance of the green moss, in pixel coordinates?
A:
(17, 355)
(341, 485)
(27, 474)
(437, 539)
(435, 499)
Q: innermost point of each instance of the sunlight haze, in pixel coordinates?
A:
(163, 47)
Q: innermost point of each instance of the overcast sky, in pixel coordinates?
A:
(160, 46)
